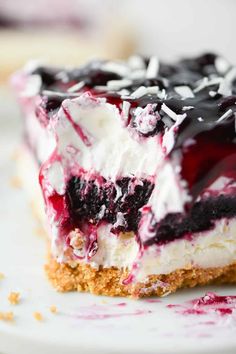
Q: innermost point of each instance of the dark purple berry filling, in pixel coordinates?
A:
(94, 202)
(201, 217)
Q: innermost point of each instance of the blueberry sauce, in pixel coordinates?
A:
(210, 303)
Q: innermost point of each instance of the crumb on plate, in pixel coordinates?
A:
(14, 298)
(53, 309)
(2, 276)
(7, 316)
(15, 182)
(38, 316)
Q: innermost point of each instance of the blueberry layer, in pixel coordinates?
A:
(201, 217)
(94, 201)
(91, 202)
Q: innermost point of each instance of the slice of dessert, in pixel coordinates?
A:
(137, 166)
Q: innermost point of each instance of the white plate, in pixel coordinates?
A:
(84, 323)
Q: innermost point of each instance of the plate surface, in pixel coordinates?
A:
(84, 323)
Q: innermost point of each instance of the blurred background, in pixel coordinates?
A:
(72, 31)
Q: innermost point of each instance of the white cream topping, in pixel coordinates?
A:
(112, 150)
(169, 194)
(40, 138)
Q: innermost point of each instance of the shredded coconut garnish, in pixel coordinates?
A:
(118, 68)
(101, 88)
(226, 115)
(162, 94)
(212, 93)
(225, 87)
(153, 68)
(184, 91)
(168, 141)
(125, 109)
(205, 82)
(187, 108)
(59, 94)
(141, 91)
(222, 65)
(118, 84)
(76, 87)
(137, 74)
(171, 113)
(136, 62)
(153, 90)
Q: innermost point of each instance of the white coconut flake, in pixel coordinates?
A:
(137, 74)
(101, 88)
(226, 115)
(225, 87)
(205, 82)
(117, 68)
(184, 91)
(125, 109)
(76, 87)
(187, 108)
(169, 135)
(153, 68)
(141, 91)
(59, 94)
(124, 92)
(118, 84)
(161, 94)
(222, 65)
(171, 113)
(136, 62)
(212, 93)
(153, 90)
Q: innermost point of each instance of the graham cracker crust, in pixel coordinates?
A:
(108, 281)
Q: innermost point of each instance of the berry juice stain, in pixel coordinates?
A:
(209, 304)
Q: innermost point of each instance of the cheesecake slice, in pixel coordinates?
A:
(137, 166)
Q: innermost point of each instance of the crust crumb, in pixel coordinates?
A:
(2, 276)
(15, 182)
(14, 298)
(7, 316)
(38, 316)
(53, 309)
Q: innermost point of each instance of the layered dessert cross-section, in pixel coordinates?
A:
(137, 166)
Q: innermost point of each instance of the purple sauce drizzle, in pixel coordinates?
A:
(211, 303)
